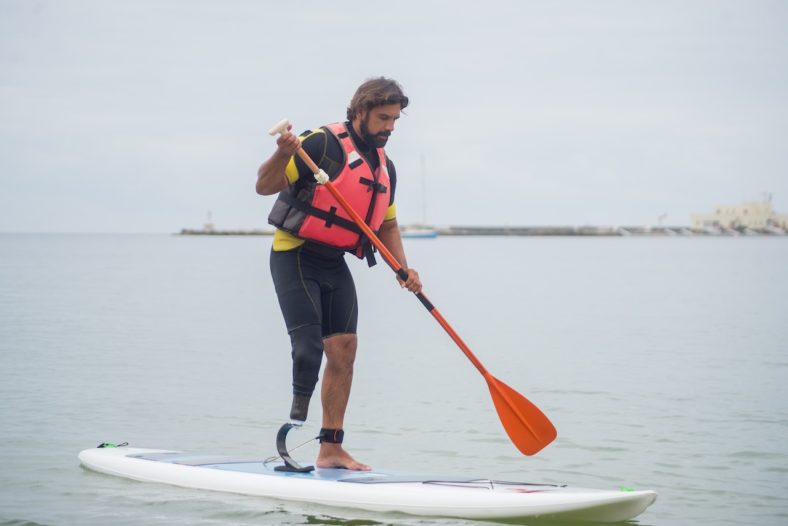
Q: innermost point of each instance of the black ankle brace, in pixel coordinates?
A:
(331, 436)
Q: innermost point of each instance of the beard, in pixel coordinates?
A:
(377, 140)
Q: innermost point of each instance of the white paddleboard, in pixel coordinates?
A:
(374, 491)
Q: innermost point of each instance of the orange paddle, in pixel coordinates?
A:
(528, 428)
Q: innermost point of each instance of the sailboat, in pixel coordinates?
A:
(420, 230)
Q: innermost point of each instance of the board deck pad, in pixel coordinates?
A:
(259, 465)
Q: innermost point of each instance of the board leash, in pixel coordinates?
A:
(279, 457)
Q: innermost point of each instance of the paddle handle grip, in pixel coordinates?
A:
(281, 127)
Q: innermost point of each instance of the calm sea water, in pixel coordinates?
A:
(662, 362)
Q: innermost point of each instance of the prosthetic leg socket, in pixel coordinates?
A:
(300, 407)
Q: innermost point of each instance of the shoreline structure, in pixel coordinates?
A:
(746, 219)
(540, 231)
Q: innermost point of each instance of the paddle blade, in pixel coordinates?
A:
(528, 428)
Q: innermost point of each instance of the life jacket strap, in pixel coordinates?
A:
(373, 185)
(365, 251)
(330, 217)
(368, 251)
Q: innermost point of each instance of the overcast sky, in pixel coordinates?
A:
(142, 116)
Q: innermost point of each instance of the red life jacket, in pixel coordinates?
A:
(312, 213)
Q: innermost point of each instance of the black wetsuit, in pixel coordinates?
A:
(316, 291)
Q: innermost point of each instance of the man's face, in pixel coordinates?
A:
(376, 125)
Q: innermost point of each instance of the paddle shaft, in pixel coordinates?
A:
(394, 264)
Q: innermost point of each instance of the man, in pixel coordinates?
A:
(314, 286)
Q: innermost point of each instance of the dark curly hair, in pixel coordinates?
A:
(376, 92)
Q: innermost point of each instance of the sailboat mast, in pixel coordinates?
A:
(423, 189)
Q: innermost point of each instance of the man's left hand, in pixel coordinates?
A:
(413, 283)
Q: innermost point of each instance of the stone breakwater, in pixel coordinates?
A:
(542, 231)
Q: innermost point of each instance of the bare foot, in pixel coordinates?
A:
(333, 456)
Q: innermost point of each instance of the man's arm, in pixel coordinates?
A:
(271, 178)
(390, 236)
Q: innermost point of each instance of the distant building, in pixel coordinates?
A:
(756, 216)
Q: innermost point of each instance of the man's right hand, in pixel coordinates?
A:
(271, 178)
(288, 143)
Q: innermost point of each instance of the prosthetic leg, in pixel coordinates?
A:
(298, 412)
